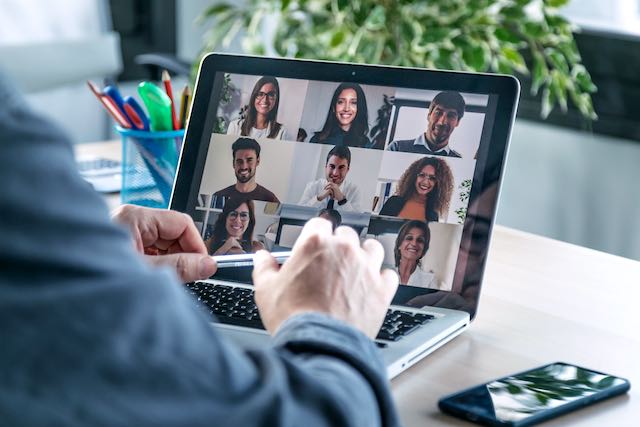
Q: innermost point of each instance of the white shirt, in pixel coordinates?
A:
(235, 128)
(424, 279)
(421, 140)
(350, 191)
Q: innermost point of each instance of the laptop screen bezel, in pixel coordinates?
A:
(491, 153)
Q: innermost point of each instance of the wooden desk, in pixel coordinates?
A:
(542, 301)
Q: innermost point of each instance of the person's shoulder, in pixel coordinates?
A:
(264, 194)
(282, 131)
(234, 126)
(395, 200)
(432, 216)
(227, 191)
(401, 145)
(454, 153)
(392, 206)
(315, 138)
(361, 141)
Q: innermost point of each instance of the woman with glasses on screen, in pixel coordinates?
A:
(259, 119)
(423, 193)
(411, 246)
(233, 230)
(347, 119)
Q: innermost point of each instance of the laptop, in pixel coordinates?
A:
(411, 157)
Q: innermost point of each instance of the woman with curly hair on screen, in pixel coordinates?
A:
(424, 191)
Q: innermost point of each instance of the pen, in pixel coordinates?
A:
(158, 106)
(166, 80)
(184, 106)
(136, 113)
(113, 93)
(111, 107)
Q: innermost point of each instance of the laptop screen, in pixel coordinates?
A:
(396, 164)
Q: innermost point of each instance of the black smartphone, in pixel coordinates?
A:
(533, 396)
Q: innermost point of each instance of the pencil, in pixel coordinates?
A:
(166, 80)
(184, 106)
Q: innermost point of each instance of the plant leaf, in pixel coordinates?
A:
(474, 56)
(555, 3)
(515, 59)
(540, 73)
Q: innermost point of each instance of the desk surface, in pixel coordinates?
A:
(542, 301)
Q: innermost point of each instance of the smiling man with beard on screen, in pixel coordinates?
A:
(246, 158)
(445, 112)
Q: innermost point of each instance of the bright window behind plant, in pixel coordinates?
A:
(613, 15)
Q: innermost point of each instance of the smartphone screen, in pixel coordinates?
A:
(533, 396)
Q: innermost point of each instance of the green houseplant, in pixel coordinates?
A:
(525, 37)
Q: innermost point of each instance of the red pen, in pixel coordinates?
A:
(111, 107)
(166, 80)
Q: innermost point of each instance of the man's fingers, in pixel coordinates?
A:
(264, 264)
(189, 267)
(374, 251)
(315, 226)
(348, 234)
(390, 282)
(172, 226)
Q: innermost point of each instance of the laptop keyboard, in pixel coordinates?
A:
(236, 306)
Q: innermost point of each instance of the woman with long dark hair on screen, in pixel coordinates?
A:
(424, 191)
(347, 121)
(260, 118)
(411, 246)
(233, 230)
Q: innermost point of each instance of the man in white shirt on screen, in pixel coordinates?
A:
(333, 192)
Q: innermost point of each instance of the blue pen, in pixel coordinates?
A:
(136, 112)
(113, 93)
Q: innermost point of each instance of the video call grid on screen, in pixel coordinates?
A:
(294, 163)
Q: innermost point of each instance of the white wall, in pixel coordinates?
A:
(36, 22)
(573, 186)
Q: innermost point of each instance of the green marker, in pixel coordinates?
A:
(158, 105)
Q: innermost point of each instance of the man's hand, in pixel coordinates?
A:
(325, 193)
(229, 247)
(335, 191)
(167, 238)
(326, 273)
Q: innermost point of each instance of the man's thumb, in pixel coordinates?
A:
(263, 264)
(189, 267)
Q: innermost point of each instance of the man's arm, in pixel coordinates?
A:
(353, 199)
(310, 195)
(94, 336)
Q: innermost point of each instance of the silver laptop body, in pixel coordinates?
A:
(453, 265)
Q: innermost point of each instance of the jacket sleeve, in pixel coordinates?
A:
(92, 335)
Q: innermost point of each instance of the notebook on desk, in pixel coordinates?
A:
(411, 157)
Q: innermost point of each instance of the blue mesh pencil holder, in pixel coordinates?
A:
(149, 162)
